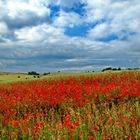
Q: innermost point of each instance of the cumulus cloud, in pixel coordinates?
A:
(31, 38)
(67, 19)
(38, 33)
(101, 30)
(20, 13)
(24, 8)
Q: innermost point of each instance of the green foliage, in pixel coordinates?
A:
(109, 68)
(33, 73)
(46, 73)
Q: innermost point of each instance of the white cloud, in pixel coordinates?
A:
(67, 19)
(22, 9)
(101, 30)
(20, 13)
(96, 9)
(3, 28)
(120, 18)
(38, 33)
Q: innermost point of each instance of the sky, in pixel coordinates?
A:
(69, 35)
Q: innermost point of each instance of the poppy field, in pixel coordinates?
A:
(100, 107)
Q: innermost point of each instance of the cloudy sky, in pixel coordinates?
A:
(69, 35)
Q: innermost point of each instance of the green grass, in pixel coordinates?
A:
(14, 77)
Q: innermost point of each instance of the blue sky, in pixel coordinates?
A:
(69, 35)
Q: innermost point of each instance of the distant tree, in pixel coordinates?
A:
(114, 69)
(46, 73)
(129, 69)
(33, 73)
(108, 68)
(119, 68)
(136, 68)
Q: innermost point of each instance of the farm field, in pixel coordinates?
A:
(6, 77)
(85, 107)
